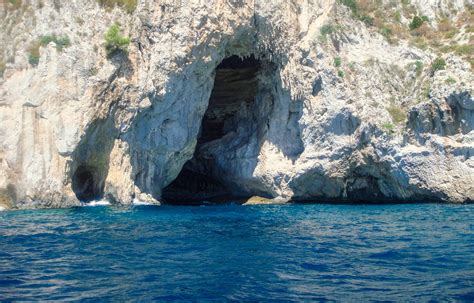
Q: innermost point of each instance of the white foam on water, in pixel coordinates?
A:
(2, 208)
(97, 203)
(137, 202)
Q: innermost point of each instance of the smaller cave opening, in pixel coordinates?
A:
(234, 93)
(86, 184)
(364, 188)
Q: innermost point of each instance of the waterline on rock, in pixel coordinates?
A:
(140, 203)
(97, 203)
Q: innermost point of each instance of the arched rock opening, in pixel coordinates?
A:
(234, 92)
(87, 184)
(90, 160)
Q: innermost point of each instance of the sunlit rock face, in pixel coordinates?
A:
(229, 99)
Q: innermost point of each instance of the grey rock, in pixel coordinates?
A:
(80, 126)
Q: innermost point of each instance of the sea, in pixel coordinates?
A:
(224, 253)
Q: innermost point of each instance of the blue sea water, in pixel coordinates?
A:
(409, 252)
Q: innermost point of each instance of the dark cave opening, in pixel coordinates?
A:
(86, 184)
(235, 86)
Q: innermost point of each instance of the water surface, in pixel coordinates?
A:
(292, 252)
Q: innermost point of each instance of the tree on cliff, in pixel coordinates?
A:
(114, 42)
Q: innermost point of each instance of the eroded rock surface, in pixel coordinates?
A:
(276, 120)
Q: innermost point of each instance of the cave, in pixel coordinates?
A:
(86, 184)
(235, 87)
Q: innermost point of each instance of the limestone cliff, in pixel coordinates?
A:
(289, 100)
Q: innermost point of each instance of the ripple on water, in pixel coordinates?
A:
(259, 253)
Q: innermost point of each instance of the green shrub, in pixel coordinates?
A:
(15, 4)
(386, 32)
(351, 66)
(450, 80)
(351, 4)
(426, 90)
(61, 42)
(33, 53)
(369, 21)
(114, 42)
(33, 59)
(465, 49)
(337, 61)
(397, 16)
(418, 68)
(33, 50)
(397, 114)
(357, 12)
(417, 21)
(2, 67)
(438, 64)
(93, 71)
(326, 30)
(340, 73)
(45, 40)
(79, 20)
(128, 5)
(388, 126)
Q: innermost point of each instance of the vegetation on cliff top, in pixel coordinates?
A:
(401, 20)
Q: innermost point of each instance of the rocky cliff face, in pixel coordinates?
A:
(289, 100)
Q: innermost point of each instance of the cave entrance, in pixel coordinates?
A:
(234, 91)
(86, 184)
